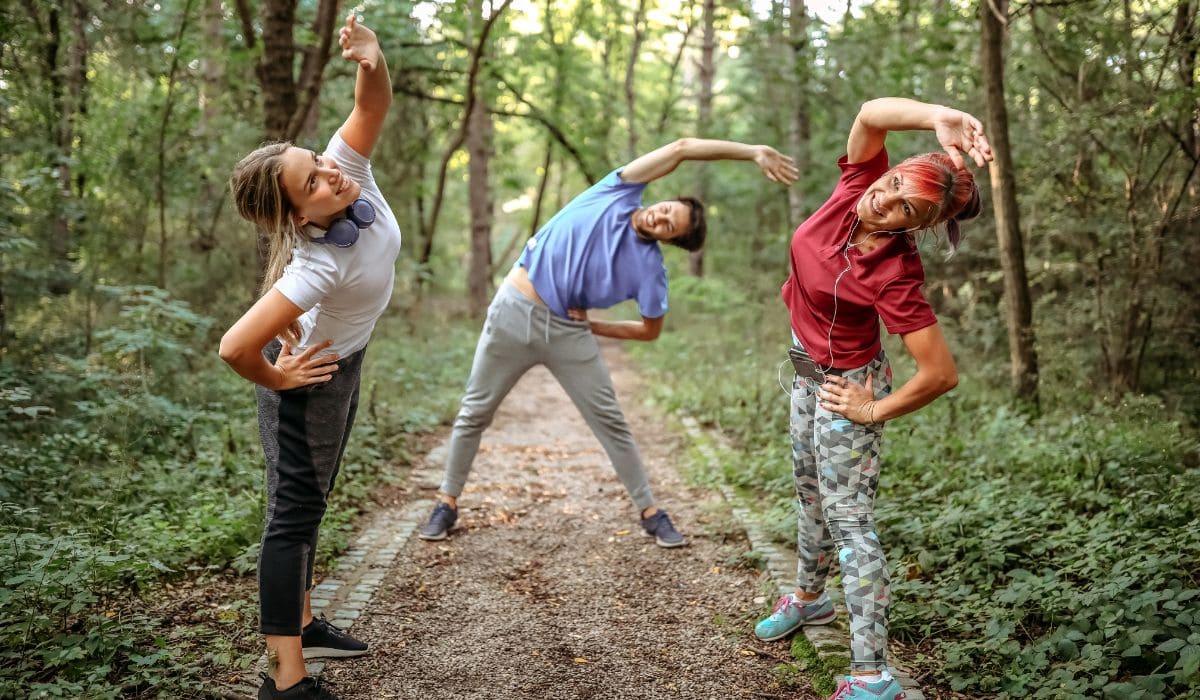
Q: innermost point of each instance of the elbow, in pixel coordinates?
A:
(651, 334)
(947, 380)
(229, 351)
(681, 148)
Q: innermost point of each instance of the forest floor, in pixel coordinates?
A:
(547, 587)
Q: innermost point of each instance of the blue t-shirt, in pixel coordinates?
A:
(589, 257)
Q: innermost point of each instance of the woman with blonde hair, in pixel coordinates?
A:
(854, 262)
(333, 244)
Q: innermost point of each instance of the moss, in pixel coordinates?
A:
(824, 668)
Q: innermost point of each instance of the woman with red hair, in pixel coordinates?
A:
(855, 262)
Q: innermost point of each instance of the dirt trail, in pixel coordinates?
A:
(548, 588)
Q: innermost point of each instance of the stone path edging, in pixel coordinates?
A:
(828, 640)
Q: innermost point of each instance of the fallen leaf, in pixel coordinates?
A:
(580, 660)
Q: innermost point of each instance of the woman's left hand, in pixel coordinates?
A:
(960, 133)
(776, 166)
(359, 44)
(852, 400)
(577, 314)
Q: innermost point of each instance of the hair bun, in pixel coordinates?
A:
(970, 210)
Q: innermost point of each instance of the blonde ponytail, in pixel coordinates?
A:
(261, 200)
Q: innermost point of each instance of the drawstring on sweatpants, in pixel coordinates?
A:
(531, 308)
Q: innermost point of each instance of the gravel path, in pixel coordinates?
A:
(548, 588)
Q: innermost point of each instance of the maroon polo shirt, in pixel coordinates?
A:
(882, 284)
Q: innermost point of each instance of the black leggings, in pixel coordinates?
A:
(304, 433)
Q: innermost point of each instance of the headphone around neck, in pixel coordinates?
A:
(343, 231)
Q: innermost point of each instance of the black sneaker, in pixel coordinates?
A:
(664, 533)
(440, 521)
(307, 689)
(321, 640)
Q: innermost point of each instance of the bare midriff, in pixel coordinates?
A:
(519, 278)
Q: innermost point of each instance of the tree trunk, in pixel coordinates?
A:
(800, 127)
(286, 100)
(161, 185)
(479, 147)
(630, 69)
(704, 116)
(1018, 307)
(689, 26)
(68, 84)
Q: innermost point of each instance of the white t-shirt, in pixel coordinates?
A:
(343, 291)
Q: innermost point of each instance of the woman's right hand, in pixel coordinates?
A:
(959, 132)
(305, 368)
(359, 43)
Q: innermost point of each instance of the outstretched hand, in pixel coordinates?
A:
(359, 44)
(776, 166)
(959, 133)
(306, 368)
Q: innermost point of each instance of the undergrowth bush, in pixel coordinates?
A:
(140, 463)
(1047, 557)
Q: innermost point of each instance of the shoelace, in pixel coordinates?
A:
(845, 687)
(331, 629)
(786, 601)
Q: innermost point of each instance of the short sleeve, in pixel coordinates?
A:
(652, 297)
(857, 176)
(308, 279)
(902, 305)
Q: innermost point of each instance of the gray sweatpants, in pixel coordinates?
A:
(517, 335)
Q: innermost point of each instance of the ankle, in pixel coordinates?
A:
(649, 512)
(805, 596)
(283, 681)
(451, 501)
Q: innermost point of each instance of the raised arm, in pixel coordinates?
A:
(372, 87)
(957, 131)
(661, 161)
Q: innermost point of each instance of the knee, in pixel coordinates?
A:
(474, 417)
(295, 522)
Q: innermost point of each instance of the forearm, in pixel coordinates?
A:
(898, 114)
(253, 366)
(373, 87)
(623, 330)
(713, 149)
(916, 393)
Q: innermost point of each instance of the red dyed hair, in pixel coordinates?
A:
(952, 191)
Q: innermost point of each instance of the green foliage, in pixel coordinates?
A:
(141, 462)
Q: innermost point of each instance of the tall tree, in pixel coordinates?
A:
(287, 98)
(704, 114)
(1018, 306)
(800, 127)
(635, 50)
(161, 186)
(65, 60)
(479, 149)
(471, 92)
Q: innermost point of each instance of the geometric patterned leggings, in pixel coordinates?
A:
(835, 465)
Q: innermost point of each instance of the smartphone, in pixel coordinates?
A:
(806, 367)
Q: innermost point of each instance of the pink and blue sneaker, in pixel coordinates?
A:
(791, 613)
(851, 688)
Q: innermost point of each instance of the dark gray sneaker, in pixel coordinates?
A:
(307, 689)
(440, 521)
(322, 640)
(664, 533)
